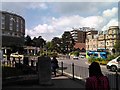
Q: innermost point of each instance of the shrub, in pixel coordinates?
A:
(99, 60)
(76, 53)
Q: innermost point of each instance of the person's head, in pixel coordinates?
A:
(54, 57)
(95, 70)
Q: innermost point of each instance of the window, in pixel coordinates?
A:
(3, 21)
(21, 25)
(107, 43)
(17, 24)
(11, 22)
(118, 60)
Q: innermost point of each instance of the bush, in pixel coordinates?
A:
(91, 59)
(99, 60)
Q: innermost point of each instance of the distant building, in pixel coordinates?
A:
(108, 38)
(91, 40)
(13, 29)
(78, 35)
(102, 39)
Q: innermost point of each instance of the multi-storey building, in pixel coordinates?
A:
(112, 35)
(101, 40)
(91, 40)
(13, 29)
(104, 39)
(79, 35)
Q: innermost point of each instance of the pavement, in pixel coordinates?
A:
(31, 82)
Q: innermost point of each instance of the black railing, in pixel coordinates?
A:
(82, 73)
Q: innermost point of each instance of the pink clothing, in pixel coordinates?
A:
(97, 83)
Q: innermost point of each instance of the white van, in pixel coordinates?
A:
(114, 64)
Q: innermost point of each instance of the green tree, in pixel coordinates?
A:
(117, 46)
(68, 42)
(56, 44)
(28, 41)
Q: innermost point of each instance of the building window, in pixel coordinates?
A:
(3, 21)
(21, 25)
(11, 22)
(17, 24)
(107, 43)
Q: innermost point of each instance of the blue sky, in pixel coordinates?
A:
(51, 19)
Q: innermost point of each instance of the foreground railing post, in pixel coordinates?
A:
(73, 71)
(117, 87)
(62, 68)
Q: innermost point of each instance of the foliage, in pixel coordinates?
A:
(37, 42)
(99, 60)
(67, 42)
(117, 46)
(76, 53)
(110, 57)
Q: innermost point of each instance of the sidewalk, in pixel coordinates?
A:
(32, 84)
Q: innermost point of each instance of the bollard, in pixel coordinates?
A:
(26, 61)
(117, 87)
(73, 71)
(32, 62)
(62, 68)
(19, 59)
(13, 62)
(36, 66)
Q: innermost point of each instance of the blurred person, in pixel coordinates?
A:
(96, 80)
(54, 65)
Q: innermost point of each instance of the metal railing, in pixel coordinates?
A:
(82, 73)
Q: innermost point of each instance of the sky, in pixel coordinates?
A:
(51, 19)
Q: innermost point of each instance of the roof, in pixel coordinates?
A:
(80, 45)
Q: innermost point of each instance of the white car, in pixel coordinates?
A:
(75, 57)
(114, 64)
(16, 55)
(81, 56)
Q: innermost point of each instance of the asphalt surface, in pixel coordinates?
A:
(31, 82)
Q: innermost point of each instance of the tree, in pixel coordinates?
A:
(40, 42)
(117, 46)
(68, 42)
(56, 44)
(28, 40)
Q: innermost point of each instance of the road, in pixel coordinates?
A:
(83, 62)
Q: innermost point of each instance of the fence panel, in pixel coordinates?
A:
(83, 73)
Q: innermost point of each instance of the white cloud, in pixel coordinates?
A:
(113, 22)
(110, 12)
(56, 26)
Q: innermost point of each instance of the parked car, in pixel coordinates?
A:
(75, 57)
(81, 56)
(16, 55)
(114, 64)
(4, 56)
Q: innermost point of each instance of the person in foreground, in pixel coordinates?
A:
(96, 80)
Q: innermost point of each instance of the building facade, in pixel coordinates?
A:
(113, 34)
(104, 39)
(91, 40)
(79, 35)
(13, 29)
